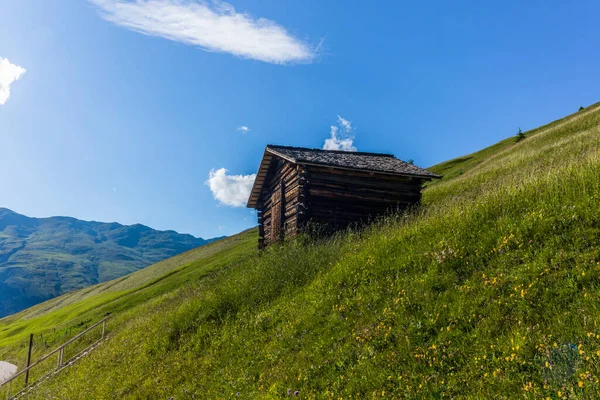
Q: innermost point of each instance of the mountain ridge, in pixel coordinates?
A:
(41, 258)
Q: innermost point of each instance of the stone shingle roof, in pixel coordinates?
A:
(383, 163)
(352, 160)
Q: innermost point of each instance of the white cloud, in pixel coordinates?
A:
(231, 190)
(9, 73)
(244, 129)
(341, 138)
(210, 25)
(345, 124)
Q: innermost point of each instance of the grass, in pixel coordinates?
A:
(55, 320)
(549, 132)
(490, 290)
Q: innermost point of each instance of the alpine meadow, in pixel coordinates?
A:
(491, 289)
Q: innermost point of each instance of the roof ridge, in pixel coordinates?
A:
(275, 146)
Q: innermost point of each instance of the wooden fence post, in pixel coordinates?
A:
(61, 356)
(28, 359)
(60, 362)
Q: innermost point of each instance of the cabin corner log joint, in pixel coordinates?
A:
(296, 185)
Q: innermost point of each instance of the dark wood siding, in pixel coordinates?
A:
(279, 199)
(293, 195)
(338, 197)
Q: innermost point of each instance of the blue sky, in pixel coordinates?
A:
(124, 108)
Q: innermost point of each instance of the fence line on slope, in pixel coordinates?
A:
(61, 363)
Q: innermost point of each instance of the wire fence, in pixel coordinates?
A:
(53, 362)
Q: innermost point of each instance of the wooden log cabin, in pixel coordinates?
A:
(334, 189)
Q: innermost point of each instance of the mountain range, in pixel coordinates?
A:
(41, 258)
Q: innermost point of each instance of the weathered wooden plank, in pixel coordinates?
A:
(334, 191)
(349, 173)
(364, 197)
(372, 180)
(366, 186)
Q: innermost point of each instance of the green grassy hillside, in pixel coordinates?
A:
(490, 290)
(54, 321)
(41, 258)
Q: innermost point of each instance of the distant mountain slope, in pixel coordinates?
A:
(41, 258)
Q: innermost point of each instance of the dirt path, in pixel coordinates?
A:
(6, 371)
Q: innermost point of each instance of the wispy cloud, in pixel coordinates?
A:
(9, 73)
(211, 25)
(321, 42)
(244, 129)
(230, 190)
(345, 124)
(341, 136)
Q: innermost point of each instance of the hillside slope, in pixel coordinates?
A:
(41, 258)
(491, 290)
(55, 320)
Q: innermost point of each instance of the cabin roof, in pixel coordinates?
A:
(374, 162)
(350, 159)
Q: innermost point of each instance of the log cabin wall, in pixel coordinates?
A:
(337, 198)
(278, 203)
(296, 185)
